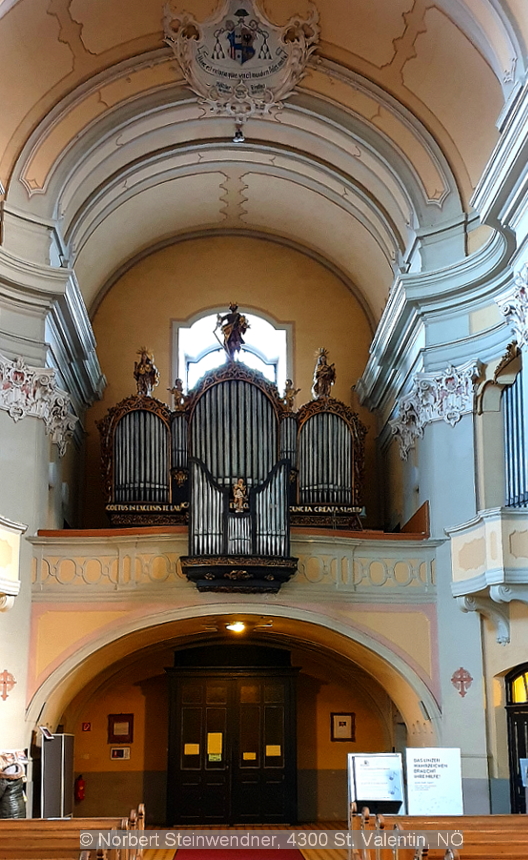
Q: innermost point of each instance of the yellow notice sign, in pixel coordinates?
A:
(191, 749)
(273, 751)
(214, 743)
(249, 756)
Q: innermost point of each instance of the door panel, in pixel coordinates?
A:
(518, 736)
(232, 749)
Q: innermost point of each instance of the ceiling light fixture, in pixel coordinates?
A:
(236, 626)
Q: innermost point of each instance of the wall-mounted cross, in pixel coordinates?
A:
(7, 682)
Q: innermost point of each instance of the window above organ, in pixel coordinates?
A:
(199, 349)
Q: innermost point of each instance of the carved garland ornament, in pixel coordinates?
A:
(238, 63)
(515, 307)
(32, 391)
(442, 396)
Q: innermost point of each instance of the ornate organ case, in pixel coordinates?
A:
(235, 462)
(239, 477)
(136, 463)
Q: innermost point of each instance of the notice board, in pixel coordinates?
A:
(434, 781)
(376, 780)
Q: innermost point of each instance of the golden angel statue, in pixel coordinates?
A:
(146, 373)
(178, 397)
(324, 375)
(288, 398)
(239, 495)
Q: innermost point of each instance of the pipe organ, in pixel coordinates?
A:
(236, 463)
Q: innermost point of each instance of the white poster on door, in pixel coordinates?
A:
(434, 782)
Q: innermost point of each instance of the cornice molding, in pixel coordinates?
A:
(501, 191)
(415, 299)
(30, 282)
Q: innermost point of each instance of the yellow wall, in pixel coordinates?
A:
(141, 689)
(199, 274)
(146, 698)
(499, 660)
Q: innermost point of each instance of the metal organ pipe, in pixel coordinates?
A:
(515, 443)
(141, 459)
(179, 441)
(325, 460)
(234, 432)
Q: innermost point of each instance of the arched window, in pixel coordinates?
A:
(198, 348)
(518, 691)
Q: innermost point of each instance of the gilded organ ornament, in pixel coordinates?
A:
(178, 398)
(146, 373)
(239, 495)
(324, 375)
(289, 395)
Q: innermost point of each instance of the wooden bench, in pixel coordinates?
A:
(59, 839)
(486, 837)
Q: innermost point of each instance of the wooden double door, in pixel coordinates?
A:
(232, 746)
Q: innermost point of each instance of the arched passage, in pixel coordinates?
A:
(341, 670)
(99, 660)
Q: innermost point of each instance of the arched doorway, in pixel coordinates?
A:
(517, 710)
(341, 670)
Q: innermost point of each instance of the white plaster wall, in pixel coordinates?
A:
(24, 452)
(447, 476)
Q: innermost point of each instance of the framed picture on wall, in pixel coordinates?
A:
(120, 728)
(342, 727)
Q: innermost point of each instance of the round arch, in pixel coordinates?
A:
(102, 656)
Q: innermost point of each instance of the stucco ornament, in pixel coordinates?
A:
(515, 306)
(32, 391)
(238, 63)
(461, 681)
(7, 682)
(444, 396)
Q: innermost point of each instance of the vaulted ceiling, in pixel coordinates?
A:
(383, 142)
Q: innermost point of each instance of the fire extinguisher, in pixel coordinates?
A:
(79, 788)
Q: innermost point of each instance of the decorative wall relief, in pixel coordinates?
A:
(461, 681)
(444, 396)
(515, 307)
(32, 391)
(238, 63)
(7, 682)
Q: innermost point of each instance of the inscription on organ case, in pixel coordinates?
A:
(234, 461)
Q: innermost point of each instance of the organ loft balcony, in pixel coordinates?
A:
(145, 563)
(489, 557)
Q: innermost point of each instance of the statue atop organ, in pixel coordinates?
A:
(234, 461)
